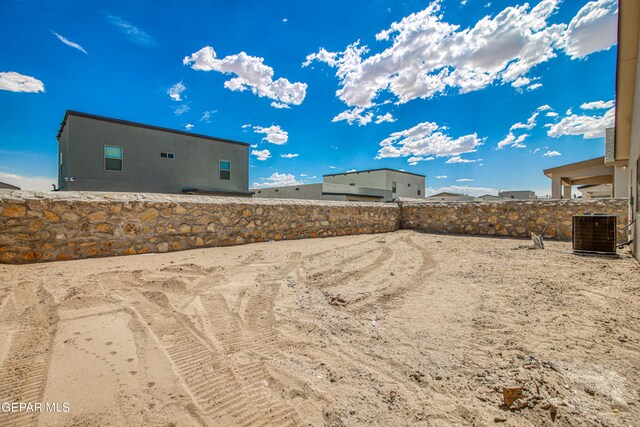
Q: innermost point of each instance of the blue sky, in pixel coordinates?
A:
(478, 96)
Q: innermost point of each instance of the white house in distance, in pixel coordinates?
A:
(517, 194)
(609, 172)
(600, 191)
(374, 185)
(446, 196)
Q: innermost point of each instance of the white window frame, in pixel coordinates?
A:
(104, 157)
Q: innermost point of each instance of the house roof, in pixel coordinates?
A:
(374, 170)
(216, 192)
(337, 193)
(448, 194)
(5, 186)
(141, 125)
(577, 165)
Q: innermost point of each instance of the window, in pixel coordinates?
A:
(166, 155)
(419, 190)
(353, 184)
(393, 186)
(113, 158)
(225, 170)
(409, 185)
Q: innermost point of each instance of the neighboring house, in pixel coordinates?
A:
(518, 194)
(599, 191)
(104, 154)
(450, 197)
(325, 191)
(627, 114)
(611, 170)
(401, 184)
(5, 186)
(380, 185)
(586, 172)
(491, 198)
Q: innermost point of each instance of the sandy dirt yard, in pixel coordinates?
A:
(403, 328)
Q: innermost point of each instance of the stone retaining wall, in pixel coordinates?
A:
(69, 225)
(515, 218)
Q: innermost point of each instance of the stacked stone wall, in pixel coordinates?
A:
(514, 218)
(71, 225)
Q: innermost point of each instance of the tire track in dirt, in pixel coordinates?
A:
(331, 275)
(352, 247)
(223, 392)
(394, 294)
(23, 375)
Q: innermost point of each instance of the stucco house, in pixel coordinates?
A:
(99, 153)
(610, 170)
(599, 191)
(446, 196)
(517, 194)
(627, 118)
(374, 185)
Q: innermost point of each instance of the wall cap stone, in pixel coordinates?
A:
(18, 196)
(555, 202)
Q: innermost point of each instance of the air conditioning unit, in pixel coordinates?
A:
(594, 234)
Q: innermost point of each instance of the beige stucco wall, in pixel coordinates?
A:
(621, 181)
(508, 218)
(634, 155)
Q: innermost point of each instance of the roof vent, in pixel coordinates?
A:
(594, 234)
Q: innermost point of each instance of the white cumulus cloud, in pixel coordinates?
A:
(530, 124)
(464, 180)
(277, 180)
(417, 159)
(274, 134)
(598, 105)
(428, 55)
(594, 28)
(441, 176)
(206, 116)
(427, 139)
(387, 117)
(250, 74)
(188, 126)
(513, 141)
(289, 155)
(551, 154)
(16, 82)
(582, 124)
(354, 116)
(175, 91)
(261, 154)
(458, 159)
(36, 183)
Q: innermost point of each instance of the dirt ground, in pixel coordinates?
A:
(391, 329)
